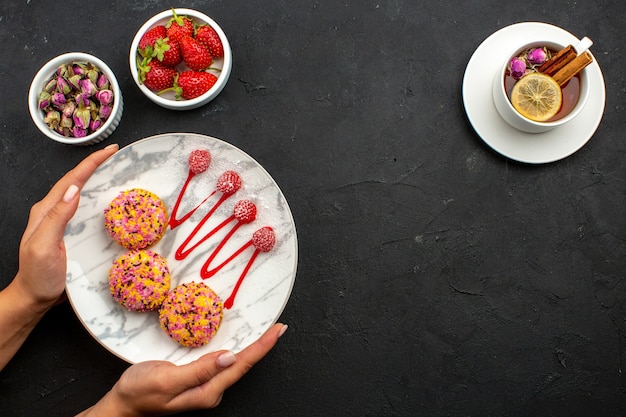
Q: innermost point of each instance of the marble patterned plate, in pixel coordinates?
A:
(160, 164)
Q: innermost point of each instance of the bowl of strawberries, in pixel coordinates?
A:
(180, 59)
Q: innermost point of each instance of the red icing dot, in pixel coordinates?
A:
(199, 160)
(229, 182)
(245, 211)
(264, 239)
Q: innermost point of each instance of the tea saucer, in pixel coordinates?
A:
(533, 148)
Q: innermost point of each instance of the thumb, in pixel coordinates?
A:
(202, 369)
(55, 221)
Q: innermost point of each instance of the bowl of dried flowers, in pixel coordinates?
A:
(75, 99)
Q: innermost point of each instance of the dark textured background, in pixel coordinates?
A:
(435, 278)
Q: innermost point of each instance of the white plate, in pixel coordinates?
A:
(159, 164)
(535, 148)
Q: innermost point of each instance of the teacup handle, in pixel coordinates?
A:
(584, 44)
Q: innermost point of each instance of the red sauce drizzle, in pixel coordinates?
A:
(181, 253)
(184, 249)
(174, 222)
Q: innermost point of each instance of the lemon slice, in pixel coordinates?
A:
(537, 96)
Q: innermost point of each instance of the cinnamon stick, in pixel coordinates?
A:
(572, 68)
(558, 61)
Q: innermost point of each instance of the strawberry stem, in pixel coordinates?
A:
(175, 88)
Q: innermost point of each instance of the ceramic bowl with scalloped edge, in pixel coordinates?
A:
(220, 67)
(46, 73)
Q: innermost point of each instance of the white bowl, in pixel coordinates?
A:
(45, 74)
(513, 117)
(168, 99)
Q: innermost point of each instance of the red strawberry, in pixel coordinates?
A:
(151, 36)
(193, 84)
(245, 211)
(264, 239)
(178, 27)
(208, 37)
(229, 182)
(168, 52)
(195, 55)
(156, 76)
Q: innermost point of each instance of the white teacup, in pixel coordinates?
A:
(512, 116)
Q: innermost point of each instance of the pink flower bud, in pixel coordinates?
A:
(68, 109)
(74, 81)
(58, 100)
(82, 100)
(50, 86)
(95, 124)
(103, 82)
(81, 118)
(93, 74)
(104, 97)
(52, 119)
(518, 68)
(63, 86)
(79, 69)
(44, 99)
(105, 112)
(537, 56)
(62, 71)
(88, 87)
(77, 132)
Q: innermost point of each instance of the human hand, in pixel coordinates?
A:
(42, 258)
(158, 388)
(40, 280)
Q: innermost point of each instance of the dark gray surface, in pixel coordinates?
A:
(436, 278)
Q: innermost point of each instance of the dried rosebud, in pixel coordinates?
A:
(105, 112)
(88, 87)
(82, 100)
(58, 100)
(93, 75)
(66, 121)
(63, 86)
(68, 108)
(518, 68)
(52, 119)
(62, 71)
(77, 132)
(95, 124)
(103, 82)
(44, 99)
(81, 118)
(79, 69)
(537, 56)
(104, 97)
(74, 81)
(50, 86)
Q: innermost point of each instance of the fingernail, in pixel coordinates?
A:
(283, 330)
(70, 193)
(114, 145)
(226, 359)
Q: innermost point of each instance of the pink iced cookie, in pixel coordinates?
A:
(136, 218)
(191, 314)
(139, 280)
